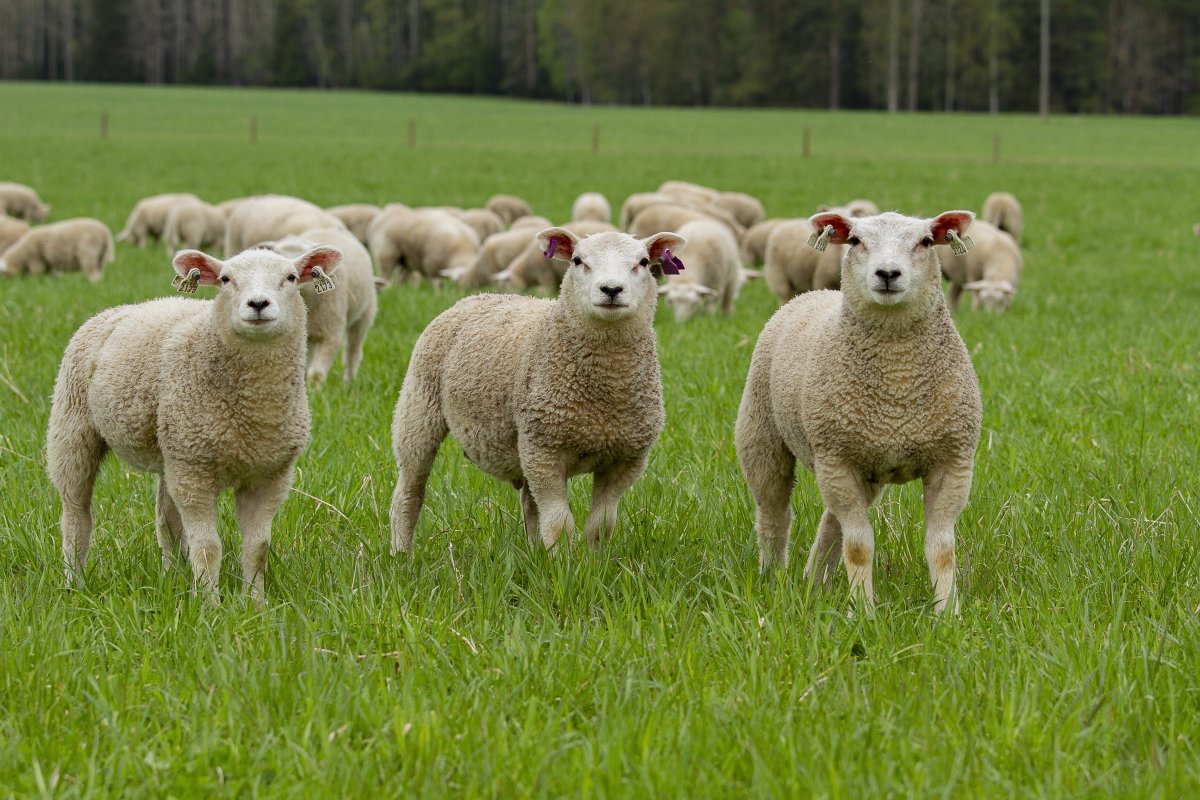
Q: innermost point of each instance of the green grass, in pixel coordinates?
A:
(664, 665)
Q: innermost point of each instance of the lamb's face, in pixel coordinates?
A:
(259, 295)
(687, 299)
(611, 276)
(993, 296)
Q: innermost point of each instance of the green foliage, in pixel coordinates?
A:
(663, 665)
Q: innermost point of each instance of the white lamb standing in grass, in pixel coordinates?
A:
(791, 267)
(713, 275)
(73, 245)
(1004, 211)
(531, 269)
(149, 218)
(335, 319)
(421, 243)
(271, 217)
(20, 201)
(867, 386)
(508, 207)
(11, 229)
(193, 225)
(990, 272)
(536, 391)
(208, 394)
(591, 207)
(497, 252)
(357, 217)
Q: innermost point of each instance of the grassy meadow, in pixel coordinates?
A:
(664, 665)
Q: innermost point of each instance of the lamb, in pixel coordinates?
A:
(336, 318)
(713, 275)
(754, 240)
(640, 201)
(532, 269)
(690, 193)
(746, 209)
(485, 223)
(592, 207)
(193, 225)
(83, 243)
(508, 207)
(270, 217)
(867, 386)
(357, 217)
(672, 216)
(20, 201)
(421, 242)
(149, 217)
(791, 267)
(862, 208)
(990, 272)
(208, 394)
(536, 391)
(498, 251)
(1002, 210)
(11, 229)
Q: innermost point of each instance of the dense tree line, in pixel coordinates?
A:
(1131, 56)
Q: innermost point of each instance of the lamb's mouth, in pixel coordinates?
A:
(611, 304)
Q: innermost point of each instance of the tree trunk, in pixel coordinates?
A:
(993, 64)
(893, 78)
(1044, 82)
(951, 36)
(914, 52)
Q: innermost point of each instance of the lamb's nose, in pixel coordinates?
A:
(887, 275)
(612, 291)
(258, 305)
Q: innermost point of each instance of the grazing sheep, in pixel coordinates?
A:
(421, 243)
(639, 202)
(862, 208)
(865, 387)
(270, 217)
(497, 252)
(532, 269)
(690, 193)
(746, 209)
(208, 394)
(227, 207)
(20, 201)
(335, 318)
(671, 217)
(990, 271)
(508, 207)
(82, 244)
(592, 207)
(485, 223)
(149, 217)
(11, 229)
(713, 276)
(536, 391)
(193, 225)
(357, 217)
(1002, 210)
(754, 240)
(791, 267)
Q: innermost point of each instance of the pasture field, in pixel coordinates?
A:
(663, 665)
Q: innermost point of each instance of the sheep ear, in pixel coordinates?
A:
(950, 222)
(662, 290)
(706, 290)
(1007, 288)
(975, 286)
(751, 274)
(324, 258)
(821, 225)
(558, 243)
(659, 243)
(187, 261)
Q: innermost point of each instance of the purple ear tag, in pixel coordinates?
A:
(670, 264)
(550, 250)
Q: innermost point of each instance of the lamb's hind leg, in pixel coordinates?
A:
(947, 488)
(770, 471)
(529, 513)
(418, 427)
(168, 525)
(73, 455)
(607, 488)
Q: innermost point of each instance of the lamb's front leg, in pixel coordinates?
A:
(947, 487)
(546, 476)
(196, 501)
(848, 497)
(609, 485)
(255, 507)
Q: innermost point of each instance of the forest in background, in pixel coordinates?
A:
(1102, 56)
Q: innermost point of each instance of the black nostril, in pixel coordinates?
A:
(258, 305)
(612, 291)
(887, 275)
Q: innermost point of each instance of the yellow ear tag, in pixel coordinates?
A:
(189, 284)
(959, 246)
(322, 282)
(820, 241)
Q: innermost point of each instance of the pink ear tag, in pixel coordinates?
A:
(551, 249)
(670, 264)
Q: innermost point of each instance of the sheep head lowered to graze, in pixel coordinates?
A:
(867, 386)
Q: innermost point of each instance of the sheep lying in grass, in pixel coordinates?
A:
(357, 217)
(336, 318)
(531, 269)
(791, 267)
(865, 387)
(82, 244)
(592, 207)
(149, 217)
(270, 217)
(713, 276)
(20, 201)
(193, 225)
(421, 242)
(497, 252)
(1002, 210)
(508, 207)
(208, 394)
(536, 391)
(11, 229)
(990, 272)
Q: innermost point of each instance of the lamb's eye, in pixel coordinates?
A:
(291, 278)
(927, 241)
(577, 261)
(645, 262)
(224, 279)
(854, 241)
